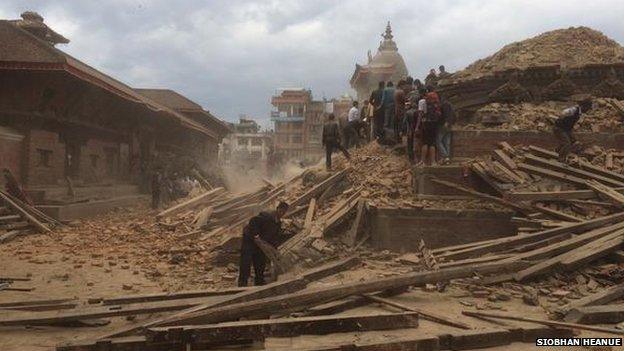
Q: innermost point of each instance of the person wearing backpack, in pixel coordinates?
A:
(430, 111)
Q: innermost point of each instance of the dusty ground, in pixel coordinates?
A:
(79, 265)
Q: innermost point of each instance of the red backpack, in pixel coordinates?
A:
(434, 108)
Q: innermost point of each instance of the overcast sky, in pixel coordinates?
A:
(231, 55)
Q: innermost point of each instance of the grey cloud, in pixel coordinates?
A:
(230, 56)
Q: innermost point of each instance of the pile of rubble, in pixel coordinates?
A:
(606, 116)
(571, 47)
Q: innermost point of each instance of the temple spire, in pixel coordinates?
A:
(387, 44)
(388, 34)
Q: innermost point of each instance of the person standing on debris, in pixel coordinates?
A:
(443, 73)
(430, 112)
(331, 140)
(399, 108)
(431, 79)
(351, 131)
(365, 119)
(375, 101)
(266, 226)
(156, 187)
(564, 126)
(388, 106)
(443, 138)
(411, 127)
(13, 188)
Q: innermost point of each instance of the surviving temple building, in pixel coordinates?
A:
(386, 65)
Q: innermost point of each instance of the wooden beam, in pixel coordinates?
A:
(350, 238)
(514, 241)
(283, 327)
(319, 188)
(566, 178)
(196, 201)
(330, 268)
(572, 171)
(495, 199)
(272, 289)
(544, 322)
(556, 214)
(307, 223)
(553, 195)
(563, 254)
(599, 298)
(306, 298)
(120, 300)
(22, 212)
(607, 192)
(428, 315)
(605, 314)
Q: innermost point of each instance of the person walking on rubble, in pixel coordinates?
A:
(564, 125)
(387, 103)
(444, 133)
(375, 100)
(352, 130)
(430, 112)
(266, 226)
(432, 78)
(331, 140)
(400, 97)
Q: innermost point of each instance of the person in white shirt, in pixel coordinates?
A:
(351, 131)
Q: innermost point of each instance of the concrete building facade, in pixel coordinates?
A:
(298, 121)
(247, 144)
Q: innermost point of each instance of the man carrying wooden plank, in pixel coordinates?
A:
(565, 124)
(266, 226)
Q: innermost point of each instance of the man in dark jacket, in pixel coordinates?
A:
(445, 124)
(565, 124)
(331, 140)
(378, 114)
(266, 226)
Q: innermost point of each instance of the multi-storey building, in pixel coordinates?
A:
(247, 144)
(298, 124)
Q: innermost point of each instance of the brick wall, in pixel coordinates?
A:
(472, 143)
(94, 161)
(48, 142)
(402, 229)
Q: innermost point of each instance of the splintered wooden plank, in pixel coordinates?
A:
(284, 327)
(567, 169)
(330, 268)
(310, 297)
(565, 255)
(607, 192)
(503, 158)
(544, 322)
(272, 289)
(350, 238)
(605, 314)
(553, 195)
(23, 213)
(428, 315)
(566, 178)
(319, 188)
(514, 241)
(196, 201)
(307, 224)
(119, 300)
(556, 214)
(495, 199)
(601, 297)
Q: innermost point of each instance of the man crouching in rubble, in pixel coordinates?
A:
(266, 226)
(565, 124)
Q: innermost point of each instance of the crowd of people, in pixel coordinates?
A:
(409, 112)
